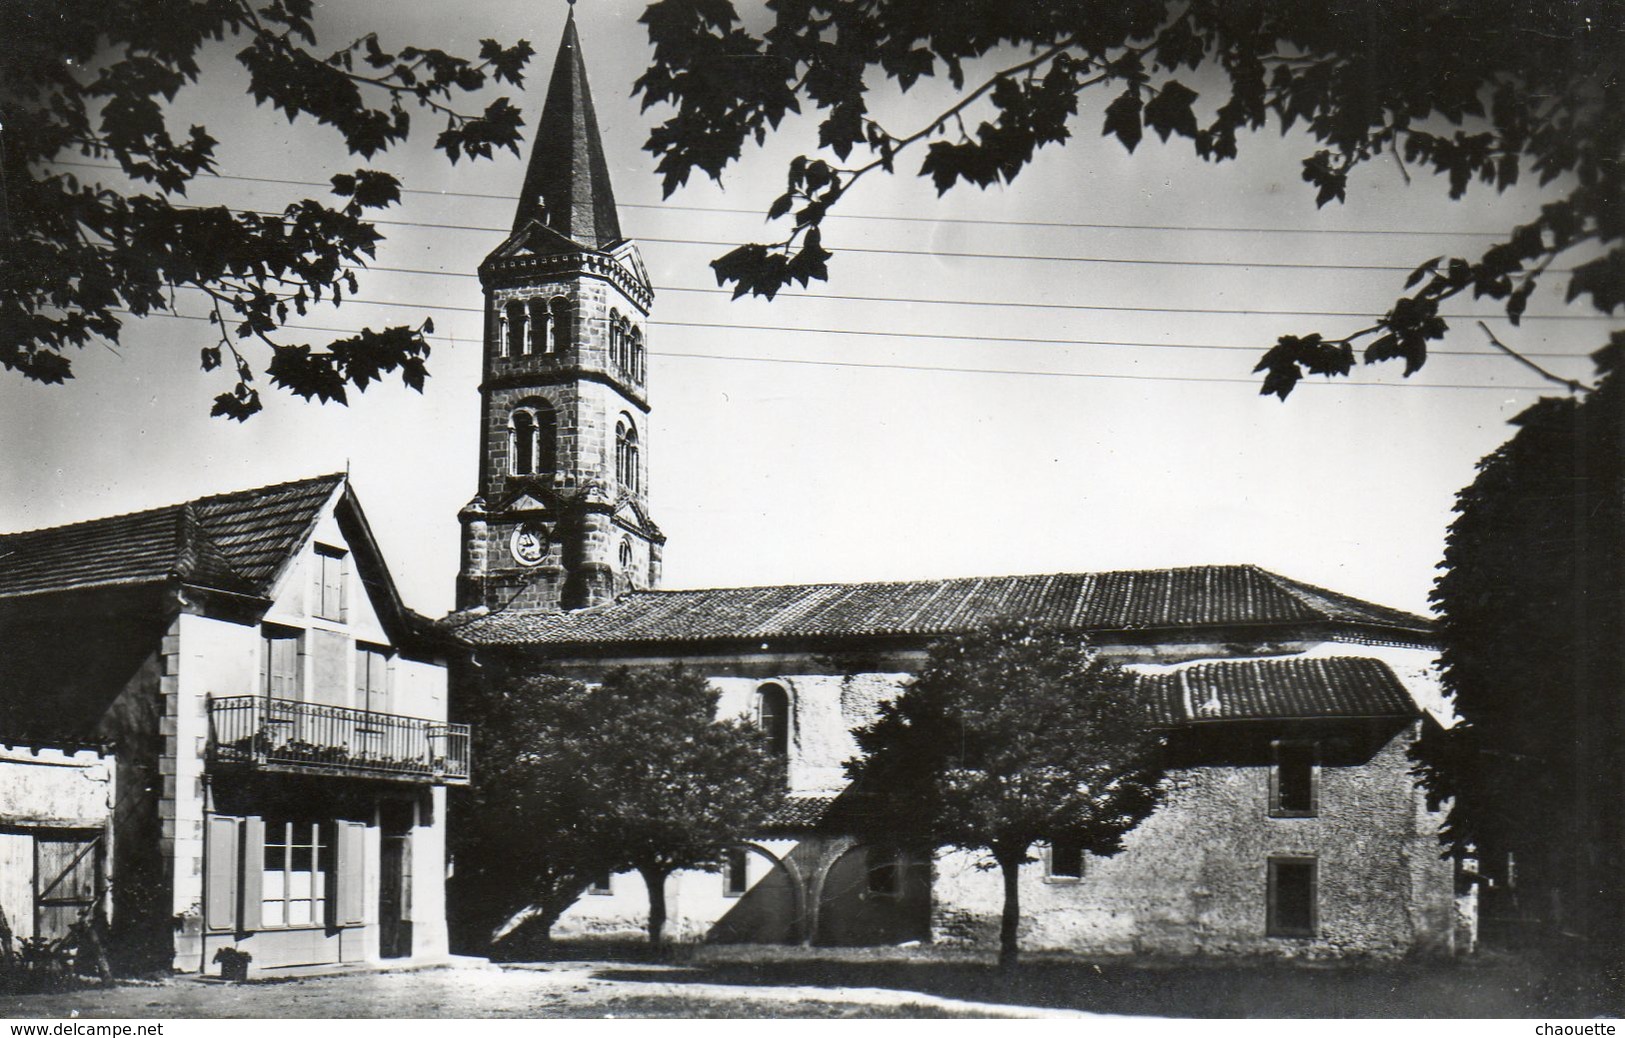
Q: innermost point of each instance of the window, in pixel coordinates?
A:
(531, 436)
(1065, 860)
(885, 870)
(600, 884)
(626, 555)
(372, 678)
(1292, 897)
(1292, 784)
(773, 718)
(516, 339)
(559, 310)
(293, 887)
(538, 326)
(637, 355)
(735, 873)
(332, 582)
(626, 453)
(279, 663)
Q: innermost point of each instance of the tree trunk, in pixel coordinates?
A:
(1011, 921)
(655, 880)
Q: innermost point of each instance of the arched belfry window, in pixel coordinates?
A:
(538, 327)
(531, 435)
(637, 355)
(515, 344)
(617, 340)
(559, 310)
(626, 556)
(626, 453)
(773, 718)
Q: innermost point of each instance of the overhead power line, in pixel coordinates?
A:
(1006, 304)
(954, 369)
(893, 218)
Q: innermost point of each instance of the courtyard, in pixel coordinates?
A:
(711, 982)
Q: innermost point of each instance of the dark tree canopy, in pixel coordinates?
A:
(1532, 606)
(1011, 735)
(1475, 90)
(674, 784)
(93, 78)
(575, 781)
(522, 833)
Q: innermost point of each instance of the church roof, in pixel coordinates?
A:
(229, 542)
(567, 183)
(1125, 600)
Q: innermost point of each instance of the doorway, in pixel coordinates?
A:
(395, 880)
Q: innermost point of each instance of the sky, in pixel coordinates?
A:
(1049, 376)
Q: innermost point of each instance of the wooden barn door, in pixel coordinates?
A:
(67, 870)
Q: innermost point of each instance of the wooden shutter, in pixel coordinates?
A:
(349, 873)
(221, 869)
(341, 565)
(281, 665)
(253, 872)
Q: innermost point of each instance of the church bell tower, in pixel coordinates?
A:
(561, 518)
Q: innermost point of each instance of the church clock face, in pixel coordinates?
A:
(529, 544)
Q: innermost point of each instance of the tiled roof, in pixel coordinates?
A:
(231, 542)
(1127, 600)
(799, 813)
(1245, 690)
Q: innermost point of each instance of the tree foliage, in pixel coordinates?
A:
(1009, 736)
(1486, 91)
(574, 781)
(1532, 606)
(91, 79)
(675, 784)
(522, 835)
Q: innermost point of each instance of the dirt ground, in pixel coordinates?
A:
(772, 982)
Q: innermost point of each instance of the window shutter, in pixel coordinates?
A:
(349, 852)
(221, 871)
(342, 564)
(406, 878)
(253, 871)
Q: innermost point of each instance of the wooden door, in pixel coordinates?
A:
(67, 870)
(394, 864)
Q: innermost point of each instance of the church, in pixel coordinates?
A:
(1292, 826)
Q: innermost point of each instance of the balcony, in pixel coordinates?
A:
(314, 738)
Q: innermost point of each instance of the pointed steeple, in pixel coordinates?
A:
(567, 184)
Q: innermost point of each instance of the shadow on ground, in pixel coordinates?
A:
(1488, 985)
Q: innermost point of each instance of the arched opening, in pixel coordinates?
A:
(516, 329)
(637, 355)
(559, 311)
(522, 432)
(773, 718)
(531, 437)
(626, 453)
(538, 326)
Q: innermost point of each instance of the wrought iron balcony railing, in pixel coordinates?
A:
(288, 735)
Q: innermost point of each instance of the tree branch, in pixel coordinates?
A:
(1572, 385)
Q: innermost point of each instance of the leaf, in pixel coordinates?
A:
(1123, 120)
(1170, 112)
(1603, 279)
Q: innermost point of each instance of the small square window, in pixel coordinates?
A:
(1293, 897)
(885, 870)
(735, 871)
(1065, 859)
(1293, 782)
(601, 884)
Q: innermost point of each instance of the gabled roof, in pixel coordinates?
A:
(567, 183)
(1127, 600)
(235, 542)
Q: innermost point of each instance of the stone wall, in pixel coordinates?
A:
(1193, 877)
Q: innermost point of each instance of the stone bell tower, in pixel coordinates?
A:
(561, 519)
